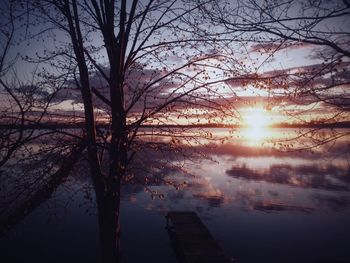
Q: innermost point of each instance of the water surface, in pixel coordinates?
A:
(261, 199)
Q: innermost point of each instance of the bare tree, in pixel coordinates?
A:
(24, 103)
(143, 68)
(10, 139)
(16, 99)
(150, 70)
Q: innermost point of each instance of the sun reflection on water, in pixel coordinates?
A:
(256, 136)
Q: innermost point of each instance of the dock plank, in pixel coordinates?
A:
(192, 240)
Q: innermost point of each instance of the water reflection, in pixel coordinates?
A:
(245, 194)
(270, 206)
(256, 135)
(329, 177)
(252, 178)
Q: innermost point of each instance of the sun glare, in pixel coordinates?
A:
(256, 121)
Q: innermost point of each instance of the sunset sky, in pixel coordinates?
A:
(274, 103)
(117, 114)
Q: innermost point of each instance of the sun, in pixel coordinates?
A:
(256, 118)
(256, 121)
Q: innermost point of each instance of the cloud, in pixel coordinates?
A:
(273, 46)
(145, 89)
(321, 74)
(327, 83)
(243, 80)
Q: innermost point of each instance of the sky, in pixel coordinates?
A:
(275, 100)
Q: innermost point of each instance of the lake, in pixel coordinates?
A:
(263, 196)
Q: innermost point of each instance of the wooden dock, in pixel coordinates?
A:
(192, 241)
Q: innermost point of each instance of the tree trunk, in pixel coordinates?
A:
(108, 203)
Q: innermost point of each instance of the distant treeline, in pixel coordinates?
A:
(345, 124)
(79, 125)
